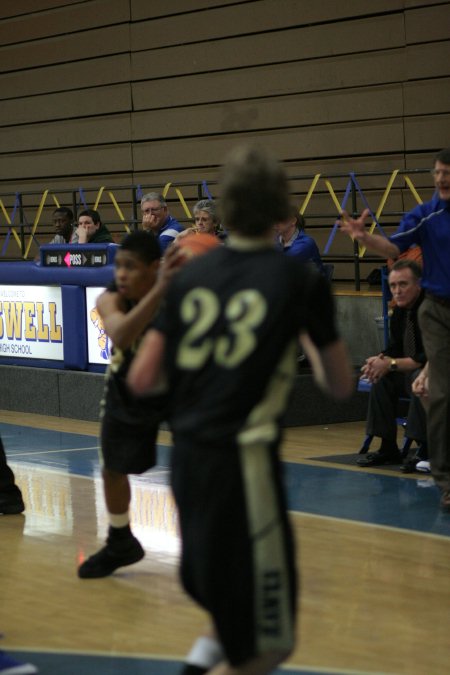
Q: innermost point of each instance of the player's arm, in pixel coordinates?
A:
(146, 369)
(356, 228)
(124, 327)
(331, 366)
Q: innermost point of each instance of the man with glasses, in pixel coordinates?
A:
(427, 225)
(157, 219)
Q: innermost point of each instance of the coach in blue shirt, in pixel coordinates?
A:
(428, 226)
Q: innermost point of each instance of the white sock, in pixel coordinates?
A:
(119, 519)
(205, 652)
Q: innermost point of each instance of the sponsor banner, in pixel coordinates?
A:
(99, 345)
(31, 325)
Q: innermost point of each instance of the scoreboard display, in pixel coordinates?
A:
(77, 255)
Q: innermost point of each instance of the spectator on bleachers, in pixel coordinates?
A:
(293, 240)
(392, 371)
(63, 223)
(90, 229)
(206, 220)
(205, 216)
(156, 217)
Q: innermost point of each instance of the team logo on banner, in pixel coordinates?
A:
(99, 345)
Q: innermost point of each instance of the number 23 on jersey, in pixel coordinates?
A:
(244, 312)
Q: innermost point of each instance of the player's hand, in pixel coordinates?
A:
(170, 264)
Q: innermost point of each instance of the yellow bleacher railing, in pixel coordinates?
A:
(23, 234)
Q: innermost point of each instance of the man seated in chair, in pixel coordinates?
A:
(392, 371)
(292, 239)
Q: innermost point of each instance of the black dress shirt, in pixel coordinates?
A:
(397, 327)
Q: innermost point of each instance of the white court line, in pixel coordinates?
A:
(48, 452)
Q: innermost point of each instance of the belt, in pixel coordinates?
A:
(445, 302)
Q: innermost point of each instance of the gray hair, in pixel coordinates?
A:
(153, 196)
(209, 206)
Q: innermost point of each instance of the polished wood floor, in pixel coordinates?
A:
(375, 580)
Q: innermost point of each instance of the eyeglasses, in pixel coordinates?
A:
(445, 173)
(153, 211)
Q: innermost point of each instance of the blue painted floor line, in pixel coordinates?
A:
(323, 491)
(66, 663)
(392, 501)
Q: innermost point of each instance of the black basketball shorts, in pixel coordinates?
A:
(237, 547)
(127, 448)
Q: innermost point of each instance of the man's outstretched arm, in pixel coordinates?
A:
(356, 228)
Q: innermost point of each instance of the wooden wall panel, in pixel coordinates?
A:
(428, 24)
(385, 32)
(88, 44)
(10, 8)
(66, 134)
(67, 105)
(331, 140)
(421, 3)
(280, 112)
(66, 76)
(425, 132)
(317, 75)
(428, 61)
(241, 20)
(68, 19)
(142, 9)
(111, 92)
(100, 160)
(427, 96)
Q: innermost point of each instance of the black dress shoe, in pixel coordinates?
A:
(379, 458)
(409, 466)
(11, 502)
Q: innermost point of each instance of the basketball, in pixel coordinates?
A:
(197, 244)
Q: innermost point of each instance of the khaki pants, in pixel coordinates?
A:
(434, 321)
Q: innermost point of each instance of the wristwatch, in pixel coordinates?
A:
(393, 365)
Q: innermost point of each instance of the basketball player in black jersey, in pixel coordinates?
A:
(227, 338)
(129, 425)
